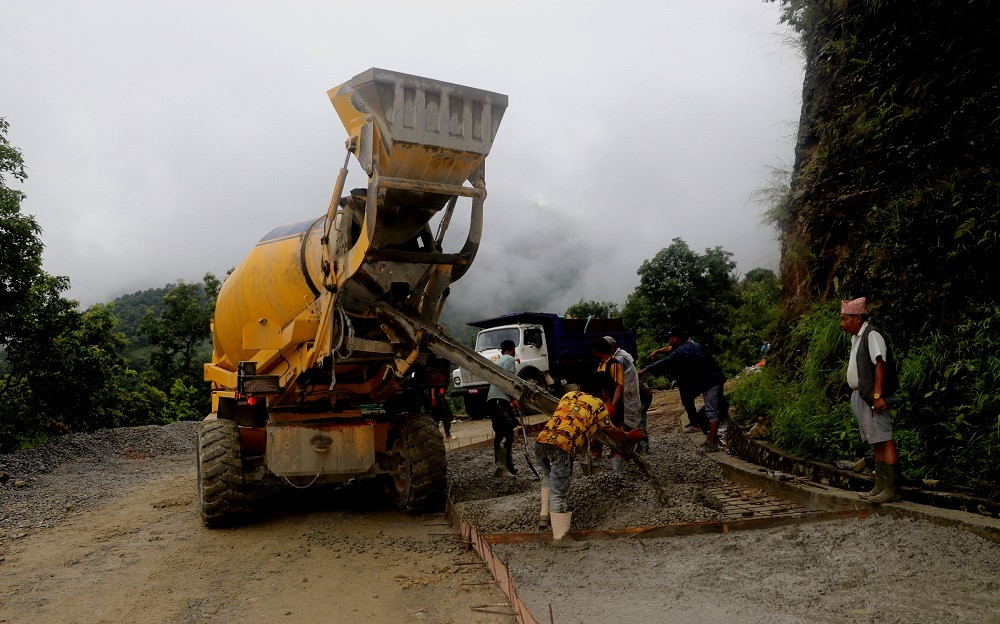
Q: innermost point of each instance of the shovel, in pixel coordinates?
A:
(661, 495)
(524, 434)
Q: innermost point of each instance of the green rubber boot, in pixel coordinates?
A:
(500, 461)
(879, 481)
(890, 491)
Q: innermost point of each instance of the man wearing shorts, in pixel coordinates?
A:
(872, 379)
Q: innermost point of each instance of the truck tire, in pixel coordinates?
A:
(221, 495)
(475, 405)
(419, 482)
(535, 375)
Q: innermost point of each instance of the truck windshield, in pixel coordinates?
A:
(491, 339)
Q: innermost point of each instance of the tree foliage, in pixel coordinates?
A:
(20, 242)
(593, 309)
(678, 286)
(179, 333)
(753, 319)
(61, 369)
(179, 339)
(130, 309)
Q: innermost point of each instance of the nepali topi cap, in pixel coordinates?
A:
(856, 306)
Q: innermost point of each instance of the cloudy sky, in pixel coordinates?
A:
(163, 139)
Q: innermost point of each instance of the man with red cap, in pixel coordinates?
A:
(872, 378)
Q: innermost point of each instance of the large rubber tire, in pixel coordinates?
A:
(420, 480)
(221, 494)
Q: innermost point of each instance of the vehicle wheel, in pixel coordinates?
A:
(536, 376)
(419, 480)
(475, 405)
(221, 497)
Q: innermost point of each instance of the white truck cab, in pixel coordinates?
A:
(550, 350)
(529, 351)
(530, 357)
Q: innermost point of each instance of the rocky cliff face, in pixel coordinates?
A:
(895, 196)
(896, 186)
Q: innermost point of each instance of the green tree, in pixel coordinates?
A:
(20, 240)
(595, 309)
(180, 327)
(753, 320)
(61, 369)
(681, 287)
(179, 336)
(130, 309)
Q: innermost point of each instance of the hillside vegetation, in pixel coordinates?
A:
(895, 196)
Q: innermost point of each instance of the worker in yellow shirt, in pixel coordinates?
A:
(578, 416)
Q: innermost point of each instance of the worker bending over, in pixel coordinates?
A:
(578, 416)
(696, 372)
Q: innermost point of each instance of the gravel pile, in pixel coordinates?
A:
(45, 484)
(600, 501)
(103, 445)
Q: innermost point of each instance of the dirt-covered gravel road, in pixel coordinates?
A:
(104, 529)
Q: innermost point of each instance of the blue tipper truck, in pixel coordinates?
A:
(551, 350)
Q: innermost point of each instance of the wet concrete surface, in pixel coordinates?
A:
(899, 565)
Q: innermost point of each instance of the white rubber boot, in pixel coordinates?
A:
(560, 530)
(544, 523)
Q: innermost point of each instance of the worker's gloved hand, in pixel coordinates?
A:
(636, 436)
(630, 440)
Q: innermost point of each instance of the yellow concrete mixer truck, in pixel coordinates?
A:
(322, 336)
(326, 346)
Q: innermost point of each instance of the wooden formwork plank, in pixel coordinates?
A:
(683, 528)
(498, 571)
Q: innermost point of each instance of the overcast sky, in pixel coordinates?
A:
(164, 139)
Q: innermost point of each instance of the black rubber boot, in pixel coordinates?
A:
(499, 461)
(508, 458)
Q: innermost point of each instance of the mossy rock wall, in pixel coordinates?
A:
(896, 196)
(896, 192)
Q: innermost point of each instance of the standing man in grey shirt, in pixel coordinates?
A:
(872, 378)
(498, 406)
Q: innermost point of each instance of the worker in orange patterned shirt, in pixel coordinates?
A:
(578, 416)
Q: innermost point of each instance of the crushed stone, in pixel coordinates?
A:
(601, 500)
(74, 472)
